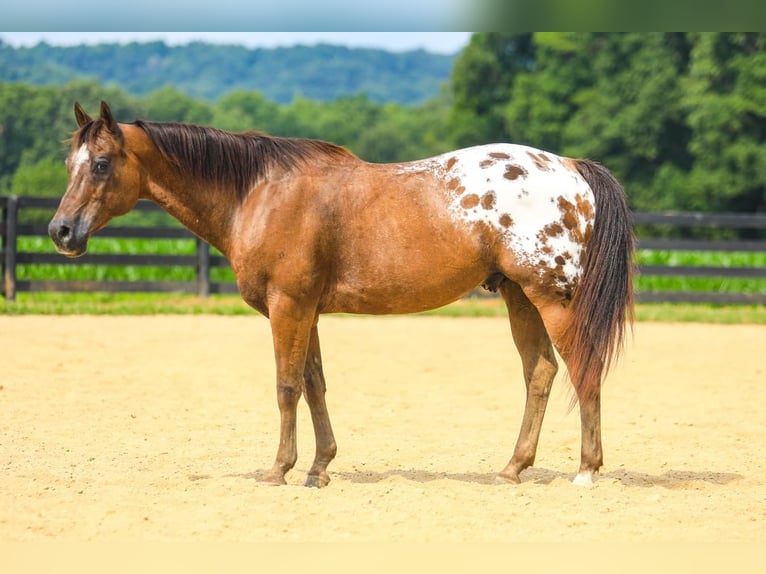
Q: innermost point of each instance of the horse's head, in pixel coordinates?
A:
(102, 182)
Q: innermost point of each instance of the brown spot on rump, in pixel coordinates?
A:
(569, 215)
(469, 201)
(460, 190)
(555, 279)
(585, 207)
(541, 160)
(570, 164)
(506, 220)
(488, 200)
(499, 155)
(513, 171)
(486, 163)
(453, 183)
(451, 162)
(553, 229)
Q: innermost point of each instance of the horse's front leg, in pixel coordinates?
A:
(291, 324)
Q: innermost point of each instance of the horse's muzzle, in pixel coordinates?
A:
(69, 236)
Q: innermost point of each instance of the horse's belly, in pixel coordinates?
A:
(401, 289)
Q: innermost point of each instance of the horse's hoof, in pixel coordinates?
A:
(583, 479)
(507, 479)
(273, 480)
(317, 480)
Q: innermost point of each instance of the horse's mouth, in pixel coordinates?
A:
(69, 237)
(72, 253)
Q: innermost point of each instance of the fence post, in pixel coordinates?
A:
(10, 216)
(203, 268)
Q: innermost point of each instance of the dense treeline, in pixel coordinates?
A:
(680, 118)
(208, 71)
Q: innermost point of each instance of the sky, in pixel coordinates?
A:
(438, 42)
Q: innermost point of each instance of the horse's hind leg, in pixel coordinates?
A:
(556, 318)
(591, 455)
(315, 397)
(540, 367)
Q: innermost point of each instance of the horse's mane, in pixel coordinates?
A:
(232, 160)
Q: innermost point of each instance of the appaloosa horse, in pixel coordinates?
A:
(309, 228)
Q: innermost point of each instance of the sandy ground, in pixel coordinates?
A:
(157, 428)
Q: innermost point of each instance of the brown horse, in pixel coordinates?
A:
(309, 228)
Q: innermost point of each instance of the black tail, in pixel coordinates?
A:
(603, 300)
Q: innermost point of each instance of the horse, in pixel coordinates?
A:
(310, 228)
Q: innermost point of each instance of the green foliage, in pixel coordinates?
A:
(45, 177)
(209, 71)
(169, 104)
(483, 81)
(726, 104)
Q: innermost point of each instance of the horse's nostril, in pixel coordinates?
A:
(64, 231)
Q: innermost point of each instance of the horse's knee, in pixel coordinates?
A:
(288, 394)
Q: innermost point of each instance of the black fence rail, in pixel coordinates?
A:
(755, 224)
(11, 229)
(12, 226)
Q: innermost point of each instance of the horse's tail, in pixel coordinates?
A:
(603, 301)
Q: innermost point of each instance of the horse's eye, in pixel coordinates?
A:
(101, 166)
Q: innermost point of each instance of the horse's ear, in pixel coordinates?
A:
(80, 115)
(108, 119)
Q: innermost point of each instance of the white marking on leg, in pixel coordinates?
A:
(583, 479)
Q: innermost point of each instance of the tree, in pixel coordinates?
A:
(482, 81)
(242, 110)
(725, 97)
(628, 114)
(169, 104)
(46, 177)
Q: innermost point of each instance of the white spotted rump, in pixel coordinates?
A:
(538, 202)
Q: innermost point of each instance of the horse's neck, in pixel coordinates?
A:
(205, 212)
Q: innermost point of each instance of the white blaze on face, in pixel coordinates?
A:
(80, 159)
(540, 206)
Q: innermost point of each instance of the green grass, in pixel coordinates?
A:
(123, 304)
(153, 304)
(701, 259)
(120, 303)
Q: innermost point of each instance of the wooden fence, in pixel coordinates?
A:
(202, 261)
(10, 229)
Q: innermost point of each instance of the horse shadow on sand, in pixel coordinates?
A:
(671, 479)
